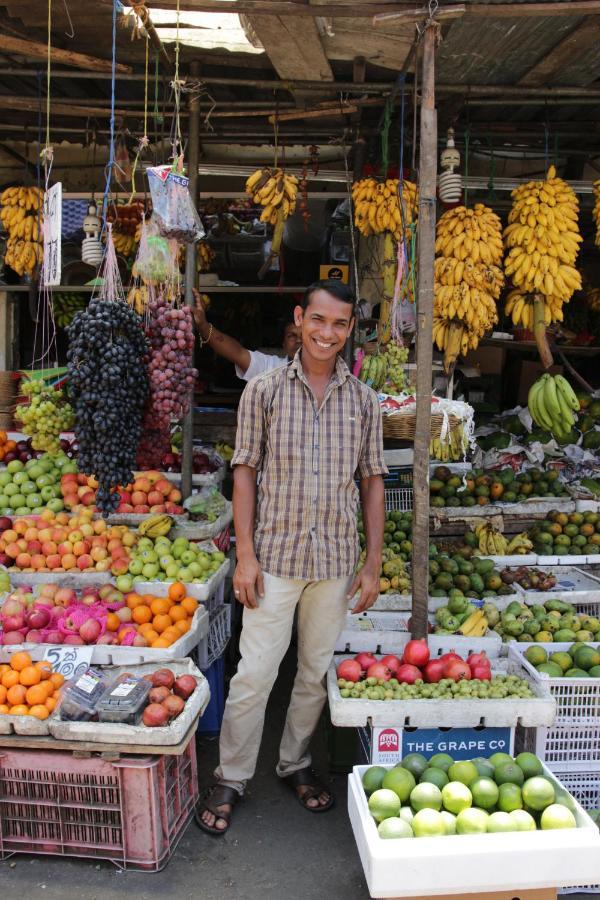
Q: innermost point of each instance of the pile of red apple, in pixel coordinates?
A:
(151, 492)
(168, 697)
(415, 665)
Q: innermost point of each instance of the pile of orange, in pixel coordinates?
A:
(28, 688)
(6, 445)
(160, 620)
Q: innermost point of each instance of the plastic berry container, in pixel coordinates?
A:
(81, 696)
(124, 701)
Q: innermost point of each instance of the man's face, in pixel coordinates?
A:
(326, 324)
(292, 340)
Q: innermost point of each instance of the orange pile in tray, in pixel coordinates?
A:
(28, 688)
(160, 620)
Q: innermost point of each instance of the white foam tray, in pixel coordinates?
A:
(24, 725)
(523, 508)
(75, 580)
(403, 602)
(472, 864)
(115, 733)
(528, 712)
(572, 584)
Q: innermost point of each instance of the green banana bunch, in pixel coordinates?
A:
(552, 401)
(64, 307)
(373, 370)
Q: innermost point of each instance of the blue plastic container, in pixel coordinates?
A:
(210, 722)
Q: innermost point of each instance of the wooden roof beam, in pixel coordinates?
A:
(577, 42)
(38, 50)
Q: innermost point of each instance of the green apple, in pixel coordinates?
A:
(161, 577)
(20, 478)
(188, 557)
(165, 561)
(136, 566)
(196, 569)
(185, 576)
(11, 489)
(70, 468)
(43, 480)
(22, 511)
(18, 500)
(172, 570)
(28, 487)
(5, 478)
(149, 556)
(124, 583)
(56, 505)
(34, 500)
(145, 544)
(37, 510)
(15, 465)
(4, 501)
(150, 571)
(35, 471)
(48, 493)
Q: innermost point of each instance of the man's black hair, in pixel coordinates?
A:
(337, 289)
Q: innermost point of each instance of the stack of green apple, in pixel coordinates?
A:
(29, 488)
(440, 796)
(160, 559)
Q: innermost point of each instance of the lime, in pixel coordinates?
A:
(529, 764)
(538, 793)
(510, 797)
(563, 659)
(472, 821)
(435, 776)
(483, 766)
(557, 816)
(400, 781)
(456, 796)
(383, 804)
(373, 778)
(441, 761)
(485, 792)
(524, 821)
(508, 773)
(497, 758)
(426, 796)
(449, 821)
(428, 823)
(500, 821)
(393, 828)
(464, 771)
(415, 763)
(407, 814)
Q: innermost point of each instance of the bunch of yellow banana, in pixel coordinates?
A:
(21, 215)
(475, 625)
(65, 306)
(204, 257)
(138, 298)
(155, 526)
(276, 191)
(542, 239)
(520, 544)
(124, 243)
(468, 279)
(452, 448)
(592, 297)
(596, 211)
(379, 206)
(519, 307)
(491, 542)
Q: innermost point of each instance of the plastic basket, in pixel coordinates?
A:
(210, 722)
(567, 749)
(131, 811)
(585, 787)
(213, 646)
(398, 489)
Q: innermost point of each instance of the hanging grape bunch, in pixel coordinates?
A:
(45, 415)
(107, 361)
(171, 378)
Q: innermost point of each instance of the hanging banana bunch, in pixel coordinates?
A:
(542, 240)
(378, 206)
(21, 215)
(275, 191)
(205, 256)
(596, 211)
(65, 306)
(468, 279)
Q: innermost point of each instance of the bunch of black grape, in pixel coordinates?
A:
(108, 378)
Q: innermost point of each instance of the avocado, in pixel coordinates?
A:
(484, 566)
(476, 582)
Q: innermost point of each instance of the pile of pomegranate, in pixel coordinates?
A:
(168, 697)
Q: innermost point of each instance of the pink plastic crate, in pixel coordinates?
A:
(132, 811)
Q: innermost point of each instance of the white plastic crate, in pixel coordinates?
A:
(585, 787)
(399, 498)
(566, 749)
(577, 699)
(213, 646)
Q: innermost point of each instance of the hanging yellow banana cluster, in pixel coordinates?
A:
(468, 279)
(21, 215)
(542, 239)
(596, 211)
(376, 206)
(276, 191)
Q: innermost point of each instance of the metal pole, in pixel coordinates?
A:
(424, 352)
(187, 450)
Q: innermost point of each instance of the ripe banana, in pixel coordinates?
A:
(275, 191)
(475, 625)
(155, 526)
(21, 215)
(520, 544)
(384, 206)
(205, 257)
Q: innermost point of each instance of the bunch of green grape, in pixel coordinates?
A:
(45, 416)
(396, 374)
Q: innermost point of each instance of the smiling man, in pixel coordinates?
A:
(304, 433)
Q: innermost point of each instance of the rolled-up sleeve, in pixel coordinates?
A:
(371, 461)
(251, 426)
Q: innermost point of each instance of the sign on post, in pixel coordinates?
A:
(52, 266)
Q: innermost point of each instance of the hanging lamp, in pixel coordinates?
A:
(450, 182)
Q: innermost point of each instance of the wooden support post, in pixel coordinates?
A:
(187, 449)
(426, 239)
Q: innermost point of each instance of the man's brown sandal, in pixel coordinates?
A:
(307, 777)
(216, 796)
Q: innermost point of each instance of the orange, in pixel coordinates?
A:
(190, 605)
(177, 591)
(45, 669)
(183, 626)
(161, 643)
(10, 678)
(2, 693)
(30, 675)
(57, 680)
(113, 622)
(51, 703)
(4, 709)
(19, 710)
(4, 667)
(178, 613)
(151, 635)
(161, 622)
(36, 694)
(134, 600)
(142, 615)
(16, 694)
(39, 711)
(144, 627)
(160, 606)
(20, 660)
(148, 598)
(171, 633)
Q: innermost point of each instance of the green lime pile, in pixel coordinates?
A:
(440, 796)
(579, 661)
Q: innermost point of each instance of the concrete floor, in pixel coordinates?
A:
(274, 850)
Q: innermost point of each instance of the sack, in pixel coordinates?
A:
(174, 210)
(154, 262)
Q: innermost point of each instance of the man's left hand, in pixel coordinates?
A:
(367, 581)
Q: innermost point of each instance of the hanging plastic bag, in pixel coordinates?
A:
(173, 207)
(153, 263)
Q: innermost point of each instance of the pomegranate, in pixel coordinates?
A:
(185, 686)
(408, 674)
(434, 671)
(350, 670)
(416, 653)
(379, 671)
(155, 715)
(158, 694)
(392, 662)
(475, 659)
(164, 677)
(174, 704)
(481, 672)
(365, 659)
(448, 657)
(457, 670)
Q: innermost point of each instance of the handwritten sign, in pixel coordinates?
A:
(70, 661)
(52, 266)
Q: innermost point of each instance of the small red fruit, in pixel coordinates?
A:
(434, 671)
(408, 674)
(349, 670)
(392, 662)
(379, 671)
(416, 653)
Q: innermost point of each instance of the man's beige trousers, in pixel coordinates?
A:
(266, 633)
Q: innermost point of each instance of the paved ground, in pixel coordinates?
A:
(275, 849)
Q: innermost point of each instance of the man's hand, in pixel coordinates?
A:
(199, 313)
(248, 582)
(367, 581)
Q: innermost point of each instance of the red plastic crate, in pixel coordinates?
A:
(131, 811)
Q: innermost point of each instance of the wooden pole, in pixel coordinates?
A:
(187, 449)
(37, 50)
(424, 352)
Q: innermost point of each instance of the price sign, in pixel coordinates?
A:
(69, 661)
(52, 265)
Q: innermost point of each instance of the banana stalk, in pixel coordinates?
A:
(539, 330)
(390, 264)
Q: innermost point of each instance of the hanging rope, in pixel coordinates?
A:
(176, 137)
(47, 153)
(144, 140)
(385, 138)
(113, 81)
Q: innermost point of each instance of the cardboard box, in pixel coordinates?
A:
(488, 360)
(530, 371)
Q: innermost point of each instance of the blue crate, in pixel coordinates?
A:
(210, 722)
(73, 214)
